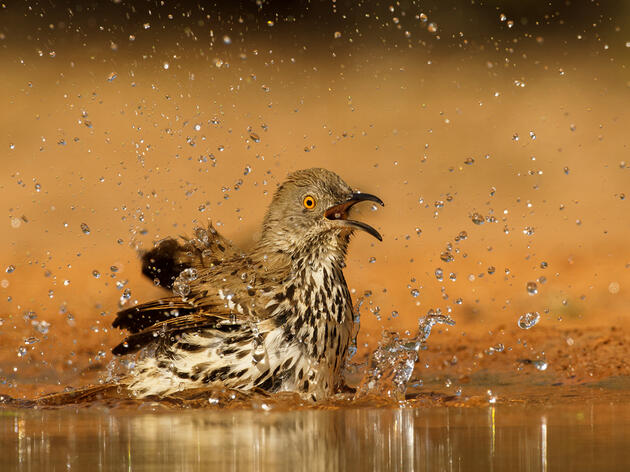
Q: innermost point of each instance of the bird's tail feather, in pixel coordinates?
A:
(90, 394)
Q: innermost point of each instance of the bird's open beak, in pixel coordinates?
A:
(340, 213)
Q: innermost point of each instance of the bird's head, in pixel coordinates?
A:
(311, 207)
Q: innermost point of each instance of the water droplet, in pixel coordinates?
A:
(227, 39)
(22, 351)
(439, 274)
(532, 288)
(260, 354)
(10, 268)
(566, 170)
(41, 326)
(446, 256)
(528, 320)
(426, 323)
(532, 135)
(432, 28)
(112, 76)
(477, 218)
(96, 274)
(181, 285)
(254, 137)
(31, 340)
(540, 365)
(469, 161)
(372, 260)
(85, 228)
(180, 288)
(337, 35)
(188, 275)
(415, 293)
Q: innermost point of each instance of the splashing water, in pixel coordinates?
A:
(181, 285)
(528, 320)
(392, 363)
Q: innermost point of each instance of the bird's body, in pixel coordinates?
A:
(278, 317)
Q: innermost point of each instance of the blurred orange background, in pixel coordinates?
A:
(503, 160)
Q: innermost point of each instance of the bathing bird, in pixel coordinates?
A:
(278, 317)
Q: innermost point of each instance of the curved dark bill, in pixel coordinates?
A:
(363, 226)
(362, 197)
(340, 212)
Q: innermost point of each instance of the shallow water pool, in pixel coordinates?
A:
(592, 436)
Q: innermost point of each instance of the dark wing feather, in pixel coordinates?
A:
(166, 261)
(140, 317)
(175, 326)
(170, 257)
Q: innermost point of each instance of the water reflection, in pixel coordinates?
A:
(593, 437)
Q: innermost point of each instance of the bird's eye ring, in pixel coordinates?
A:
(309, 202)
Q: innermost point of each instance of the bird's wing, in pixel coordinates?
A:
(209, 303)
(140, 317)
(236, 287)
(172, 328)
(208, 248)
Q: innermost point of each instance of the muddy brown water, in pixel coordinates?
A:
(577, 437)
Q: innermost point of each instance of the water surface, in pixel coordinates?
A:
(591, 436)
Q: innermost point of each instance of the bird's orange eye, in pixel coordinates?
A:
(308, 202)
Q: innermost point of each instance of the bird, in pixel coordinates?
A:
(276, 318)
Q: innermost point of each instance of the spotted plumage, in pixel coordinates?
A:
(277, 317)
